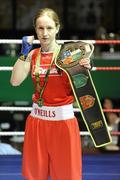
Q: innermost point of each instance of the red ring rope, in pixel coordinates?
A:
(111, 110)
(107, 68)
(115, 133)
(107, 41)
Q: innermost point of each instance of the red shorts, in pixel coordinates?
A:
(52, 148)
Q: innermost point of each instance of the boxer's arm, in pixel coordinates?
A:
(22, 66)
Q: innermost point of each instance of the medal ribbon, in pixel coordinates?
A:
(37, 74)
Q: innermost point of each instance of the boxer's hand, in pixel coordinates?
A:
(27, 43)
(86, 63)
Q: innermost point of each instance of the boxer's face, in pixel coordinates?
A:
(46, 30)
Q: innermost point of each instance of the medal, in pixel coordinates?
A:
(40, 102)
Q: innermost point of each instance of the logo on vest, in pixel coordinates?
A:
(42, 70)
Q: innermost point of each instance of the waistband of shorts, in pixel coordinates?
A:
(53, 113)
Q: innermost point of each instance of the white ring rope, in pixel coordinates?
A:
(19, 41)
(8, 133)
(14, 133)
(10, 68)
(12, 108)
(17, 108)
(21, 133)
(6, 68)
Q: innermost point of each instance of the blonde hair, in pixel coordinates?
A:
(50, 13)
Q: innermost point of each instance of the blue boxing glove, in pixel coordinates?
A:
(27, 42)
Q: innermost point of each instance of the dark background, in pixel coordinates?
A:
(80, 19)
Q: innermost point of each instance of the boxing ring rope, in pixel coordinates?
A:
(105, 69)
(19, 41)
(9, 68)
(12, 108)
(107, 41)
(21, 133)
(6, 68)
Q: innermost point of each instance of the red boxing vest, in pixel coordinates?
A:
(58, 90)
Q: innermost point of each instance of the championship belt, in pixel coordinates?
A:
(84, 89)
